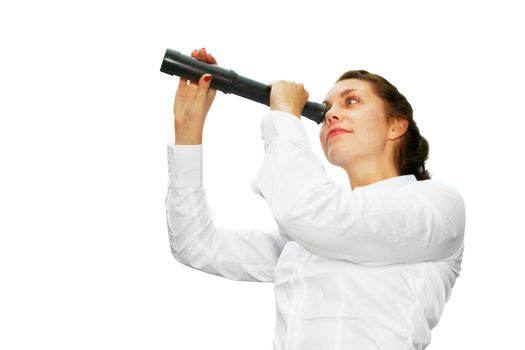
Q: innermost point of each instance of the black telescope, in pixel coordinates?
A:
(229, 82)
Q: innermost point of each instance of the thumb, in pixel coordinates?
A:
(204, 85)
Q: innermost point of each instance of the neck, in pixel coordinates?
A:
(367, 171)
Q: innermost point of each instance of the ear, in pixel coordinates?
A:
(397, 128)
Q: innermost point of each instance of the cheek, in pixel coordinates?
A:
(322, 139)
(372, 133)
(371, 129)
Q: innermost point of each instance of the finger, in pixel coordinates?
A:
(211, 59)
(202, 54)
(204, 85)
(211, 93)
(183, 82)
(193, 84)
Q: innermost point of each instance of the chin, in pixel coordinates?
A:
(339, 161)
(338, 156)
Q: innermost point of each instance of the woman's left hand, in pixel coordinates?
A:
(288, 96)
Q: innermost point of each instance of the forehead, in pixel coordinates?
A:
(360, 86)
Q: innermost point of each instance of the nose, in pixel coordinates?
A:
(331, 117)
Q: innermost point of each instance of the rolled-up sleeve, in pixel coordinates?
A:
(410, 222)
(236, 254)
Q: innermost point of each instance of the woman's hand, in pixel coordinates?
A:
(192, 103)
(288, 96)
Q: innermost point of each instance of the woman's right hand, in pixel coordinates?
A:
(192, 103)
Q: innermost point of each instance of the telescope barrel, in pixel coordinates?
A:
(229, 82)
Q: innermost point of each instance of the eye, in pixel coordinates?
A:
(350, 99)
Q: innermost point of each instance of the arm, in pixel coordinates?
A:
(244, 255)
(419, 221)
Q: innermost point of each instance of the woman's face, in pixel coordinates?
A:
(352, 105)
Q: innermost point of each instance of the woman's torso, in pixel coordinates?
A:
(334, 304)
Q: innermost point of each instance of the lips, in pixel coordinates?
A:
(336, 131)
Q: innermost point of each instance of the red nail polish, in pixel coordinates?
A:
(207, 78)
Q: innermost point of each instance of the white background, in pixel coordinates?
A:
(86, 116)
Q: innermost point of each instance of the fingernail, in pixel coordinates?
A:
(207, 78)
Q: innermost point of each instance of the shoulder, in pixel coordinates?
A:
(442, 197)
(437, 190)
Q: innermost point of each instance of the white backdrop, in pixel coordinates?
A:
(86, 116)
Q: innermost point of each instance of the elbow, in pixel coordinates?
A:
(176, 252)
(445, 222)
(455, 224)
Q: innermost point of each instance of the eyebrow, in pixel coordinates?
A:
(344, 92)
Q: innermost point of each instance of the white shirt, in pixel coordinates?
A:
(369, 268)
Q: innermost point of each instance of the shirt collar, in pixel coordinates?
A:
(391, 182)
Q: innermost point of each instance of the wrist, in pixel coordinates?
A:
(188, 139)
(287, 109)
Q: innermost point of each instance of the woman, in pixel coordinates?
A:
(369, 267)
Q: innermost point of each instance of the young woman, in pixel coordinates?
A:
(366, 267)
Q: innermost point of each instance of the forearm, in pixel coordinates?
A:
(237, 254)
(188, 137)
(408, 222)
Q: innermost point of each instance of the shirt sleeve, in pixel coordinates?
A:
(236, 254)
(415, 222)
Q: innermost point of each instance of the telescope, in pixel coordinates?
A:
(229, 82)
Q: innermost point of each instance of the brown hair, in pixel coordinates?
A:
(413, 151)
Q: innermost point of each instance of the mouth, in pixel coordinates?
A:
(337, 132)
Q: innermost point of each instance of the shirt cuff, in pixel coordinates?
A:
(185, 165)
(283, 125)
